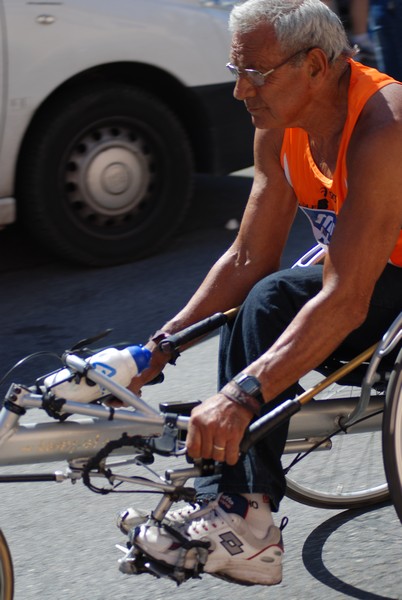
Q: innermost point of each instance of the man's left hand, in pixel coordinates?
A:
(216, 429)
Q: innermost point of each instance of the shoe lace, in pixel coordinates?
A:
(212, 520)
(183, 512)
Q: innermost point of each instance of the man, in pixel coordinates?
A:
(329, 138)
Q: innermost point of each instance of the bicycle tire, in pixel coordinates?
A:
(392, 435)
(6, 570)
(349, 475)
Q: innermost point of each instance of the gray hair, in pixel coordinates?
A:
(297, 24)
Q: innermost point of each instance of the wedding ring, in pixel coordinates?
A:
(219, 448)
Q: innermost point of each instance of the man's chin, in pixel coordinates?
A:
(259, 122)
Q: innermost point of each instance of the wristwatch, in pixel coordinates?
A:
(245, 390)
(249, 384)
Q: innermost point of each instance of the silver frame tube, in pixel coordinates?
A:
(75, 438)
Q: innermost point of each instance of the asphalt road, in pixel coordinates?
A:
(62, 536)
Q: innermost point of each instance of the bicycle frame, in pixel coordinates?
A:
(49, 442)
(83, 438)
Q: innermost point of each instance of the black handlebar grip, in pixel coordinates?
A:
(268, 423)
(176, 340)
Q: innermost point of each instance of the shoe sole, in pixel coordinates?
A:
(257, 578)
(229, 579)
(246, 573)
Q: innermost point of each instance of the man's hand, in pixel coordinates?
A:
(216, 429)
(157, 363)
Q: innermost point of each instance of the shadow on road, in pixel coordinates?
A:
(313, 550)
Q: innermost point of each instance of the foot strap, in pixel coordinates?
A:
(137, 561)
(184, 541)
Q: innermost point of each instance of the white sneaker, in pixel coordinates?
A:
(234, 552)
(132, 517)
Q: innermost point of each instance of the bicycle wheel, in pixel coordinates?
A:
(392, 435)
(6, 570)
(349, 474)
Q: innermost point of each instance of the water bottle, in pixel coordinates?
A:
(119, 365)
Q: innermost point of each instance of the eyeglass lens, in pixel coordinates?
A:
(254, 77)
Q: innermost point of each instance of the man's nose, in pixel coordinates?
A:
(243, 89)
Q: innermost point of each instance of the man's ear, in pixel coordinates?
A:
(317, 62)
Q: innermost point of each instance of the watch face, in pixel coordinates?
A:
(248, 383)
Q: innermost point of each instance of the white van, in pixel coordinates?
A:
(107, 108)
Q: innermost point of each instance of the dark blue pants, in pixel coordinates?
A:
(269, 308)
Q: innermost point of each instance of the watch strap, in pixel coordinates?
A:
(235, 393)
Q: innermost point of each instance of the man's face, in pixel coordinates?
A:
(278, 102)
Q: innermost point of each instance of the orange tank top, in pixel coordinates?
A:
(320, 198)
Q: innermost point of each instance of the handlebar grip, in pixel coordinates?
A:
(268, 423)
(176, 340)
